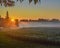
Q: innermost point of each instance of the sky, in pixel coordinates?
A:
(47, 9)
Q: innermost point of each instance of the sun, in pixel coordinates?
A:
(12, 20)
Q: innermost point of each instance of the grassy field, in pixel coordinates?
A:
(30, 38)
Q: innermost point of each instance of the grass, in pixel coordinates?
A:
(29, 38)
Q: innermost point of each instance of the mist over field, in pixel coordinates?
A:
(39, 24)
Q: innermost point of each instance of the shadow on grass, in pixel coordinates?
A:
(35, 40)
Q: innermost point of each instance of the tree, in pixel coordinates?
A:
(12, 2)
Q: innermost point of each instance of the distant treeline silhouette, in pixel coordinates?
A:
(40, 20)
(6, 22)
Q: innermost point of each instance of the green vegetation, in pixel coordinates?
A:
(24, 38)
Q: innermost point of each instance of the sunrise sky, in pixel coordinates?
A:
(48, 9)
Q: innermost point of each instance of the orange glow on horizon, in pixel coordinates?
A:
(12, 20)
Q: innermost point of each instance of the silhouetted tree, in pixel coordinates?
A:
(17, 22)
(12, 2)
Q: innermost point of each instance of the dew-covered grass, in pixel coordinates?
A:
(30, 38)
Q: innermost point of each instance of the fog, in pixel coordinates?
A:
(33, 24)
(39, 24)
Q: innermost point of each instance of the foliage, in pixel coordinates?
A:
(12, 2)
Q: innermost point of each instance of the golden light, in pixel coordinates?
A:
(12, 20)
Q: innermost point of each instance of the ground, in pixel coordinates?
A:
(30, 38)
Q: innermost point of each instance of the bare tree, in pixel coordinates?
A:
(12, 2)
